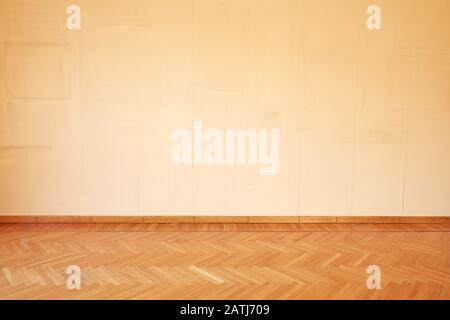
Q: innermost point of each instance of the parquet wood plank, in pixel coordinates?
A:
(224, 261)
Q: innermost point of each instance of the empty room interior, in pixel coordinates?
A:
(225, 149)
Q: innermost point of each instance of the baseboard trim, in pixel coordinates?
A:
(226, 219)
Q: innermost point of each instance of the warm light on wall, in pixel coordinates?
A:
(92, 92)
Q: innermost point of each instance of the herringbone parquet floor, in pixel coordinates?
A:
(197, 262)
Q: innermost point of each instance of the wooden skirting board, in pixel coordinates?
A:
(224, 219)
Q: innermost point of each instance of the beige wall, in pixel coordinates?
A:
(86, 116)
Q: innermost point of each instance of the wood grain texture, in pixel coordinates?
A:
(224, 261)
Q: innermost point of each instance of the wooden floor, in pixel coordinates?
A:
(224, 261)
